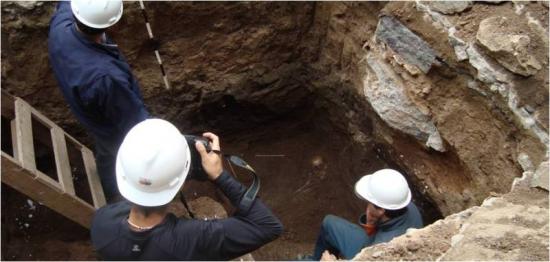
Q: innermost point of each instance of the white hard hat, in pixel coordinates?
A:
(152, 163)
(385, 188)
(97, 13)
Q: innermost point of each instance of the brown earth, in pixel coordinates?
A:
(31, 231)
(324, 165)
(287, 78)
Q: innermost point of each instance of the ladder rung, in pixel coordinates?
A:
(48, 181)
(23, 130)
(62, 163)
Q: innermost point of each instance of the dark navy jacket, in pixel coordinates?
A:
(98, 85)
(186, 239)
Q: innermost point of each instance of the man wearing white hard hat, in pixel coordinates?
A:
(389, 213)
(151, 167)
(95, 79)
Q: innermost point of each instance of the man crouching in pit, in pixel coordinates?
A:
(152, 164)
(389, 213)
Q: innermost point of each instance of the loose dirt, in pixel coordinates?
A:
(307, 170)
(31, 231)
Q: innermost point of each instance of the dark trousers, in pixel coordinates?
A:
(340, 237)
(105, 156)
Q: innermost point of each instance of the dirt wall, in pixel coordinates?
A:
(462, 113)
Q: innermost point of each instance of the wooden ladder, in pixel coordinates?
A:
(20, 172)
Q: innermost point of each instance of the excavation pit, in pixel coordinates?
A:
(307, 167)
(295, 89)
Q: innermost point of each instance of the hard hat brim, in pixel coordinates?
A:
(148, 199)
(362, 192)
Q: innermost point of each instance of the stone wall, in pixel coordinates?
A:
(426, 76)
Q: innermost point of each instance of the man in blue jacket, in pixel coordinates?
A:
(152, 164)
(95, 79)
(389, 214)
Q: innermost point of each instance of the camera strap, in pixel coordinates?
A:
(252, 191)
(184, 201)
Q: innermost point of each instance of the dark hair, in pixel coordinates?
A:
(146, 211)
(395, 213)
(392, 213)
(86, 29)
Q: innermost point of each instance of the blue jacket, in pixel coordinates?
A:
(186, 239)
(99, 87)
(95, 80)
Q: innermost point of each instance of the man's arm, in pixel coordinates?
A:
(242, 233)
(121, 106)
(62, 16)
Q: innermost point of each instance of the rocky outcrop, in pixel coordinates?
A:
(502, 230)
(386, 92)
(413, 49)
(404, 55)
(513, 90)
(511, 50)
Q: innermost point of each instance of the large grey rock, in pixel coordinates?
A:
(386, 93)
(540, 179)
(511, 49)
(489, 72)
(449, 7)
(413, 49)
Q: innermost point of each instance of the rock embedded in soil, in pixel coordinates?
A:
(501, 37)
(385, 91)
(540, 178)
(413, 49)
(449, 7)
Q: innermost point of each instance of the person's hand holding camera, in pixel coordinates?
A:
(211, 162)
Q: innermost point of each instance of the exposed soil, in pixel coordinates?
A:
(31, 231)
(283, 85)
(307, 170)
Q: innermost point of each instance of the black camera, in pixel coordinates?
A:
(196, 171)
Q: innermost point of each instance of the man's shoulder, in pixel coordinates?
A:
(106, 223)
(118, 209)
(413, 217)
